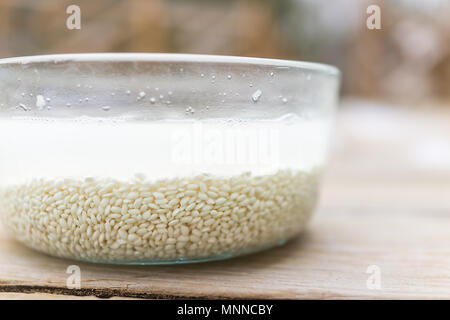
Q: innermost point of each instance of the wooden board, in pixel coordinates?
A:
(383, 204)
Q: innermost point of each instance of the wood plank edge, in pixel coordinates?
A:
(100, 293)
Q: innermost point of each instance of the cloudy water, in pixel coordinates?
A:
(89, 147)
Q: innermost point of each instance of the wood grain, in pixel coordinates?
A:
(378, 210)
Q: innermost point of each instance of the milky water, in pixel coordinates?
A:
(88, 147)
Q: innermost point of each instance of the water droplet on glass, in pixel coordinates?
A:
(40, 102)
(256, 95)
(202, 75)
(152, 100)
(78, 85)
(308, 77)
(141, 95)
(161, 96)
(271, 74)
(190, 110)
(229, 77)
(23, 107)
(23, 94)
(284, 100)
(250, 85)
(68, 104)
(128, 92)
(106, 108)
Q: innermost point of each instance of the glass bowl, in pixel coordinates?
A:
(160, 158)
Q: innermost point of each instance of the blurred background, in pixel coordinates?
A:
(408, 60)
(395, 110)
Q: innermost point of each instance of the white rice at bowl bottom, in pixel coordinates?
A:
(203, 217)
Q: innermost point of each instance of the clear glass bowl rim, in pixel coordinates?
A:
(172, 57)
